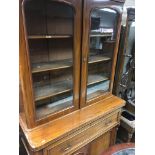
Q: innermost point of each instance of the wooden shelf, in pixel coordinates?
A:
(48, 36)
(51, 90)
(109, 41)
(53, 65)
(96, 78)
(101, 35)
(43, 111)
(46, 109)
(62, 64)
(59, 17)
(98, 58)
(97, 90)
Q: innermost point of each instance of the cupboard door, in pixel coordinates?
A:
(52, 29)
(101, 28)
(100, 144)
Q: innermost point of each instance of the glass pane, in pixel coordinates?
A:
(50, 39)
(101, 47)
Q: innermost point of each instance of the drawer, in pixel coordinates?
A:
(83, 151)
(83, 136)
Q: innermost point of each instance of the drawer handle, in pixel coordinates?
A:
(108, 122)
(67, 148)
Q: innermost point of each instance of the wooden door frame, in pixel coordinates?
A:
(89, 5)
(25, 67)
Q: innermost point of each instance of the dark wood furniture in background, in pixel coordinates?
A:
(68, 51)
(124, 85)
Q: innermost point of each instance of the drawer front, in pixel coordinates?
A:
(82, 137)
(82, 151)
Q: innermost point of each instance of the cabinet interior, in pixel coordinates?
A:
(102, 39)
(50, 37)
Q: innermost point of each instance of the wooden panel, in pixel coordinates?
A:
(46, 134)
(60, 18)
(100, 144)
(26, 150)
(86, 135)
(113, 135)
(61, 25)
(24, 72)
(21, 108)
(100, 68)
(38, 51)
(35, 15)
(61, 49)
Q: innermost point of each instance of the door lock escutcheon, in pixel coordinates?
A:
(84, 59)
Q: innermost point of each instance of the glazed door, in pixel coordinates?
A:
(53, 34)
(101, 29)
